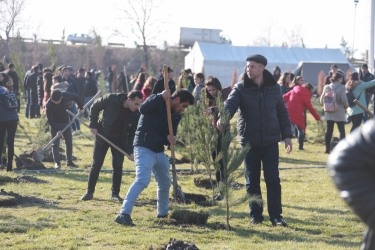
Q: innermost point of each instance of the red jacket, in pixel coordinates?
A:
(297, 100)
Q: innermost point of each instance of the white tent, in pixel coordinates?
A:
(220, 60)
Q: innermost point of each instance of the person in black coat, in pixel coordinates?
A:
(118, 124)
(159, 86)
(58, 118)
(262, 118)
(32, 84)
(351, 166)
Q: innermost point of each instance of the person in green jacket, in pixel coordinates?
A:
(358, 88)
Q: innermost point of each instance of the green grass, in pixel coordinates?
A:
(317, 218)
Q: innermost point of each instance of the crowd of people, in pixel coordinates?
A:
(271, 108)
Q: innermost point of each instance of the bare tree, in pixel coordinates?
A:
(140, 17)
(10, 18)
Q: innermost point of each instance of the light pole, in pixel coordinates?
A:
(355, 12)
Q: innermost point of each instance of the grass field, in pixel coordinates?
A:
(317, 218)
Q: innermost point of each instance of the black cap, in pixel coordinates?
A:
(257, 58)
(170, 70)
(364, 66)
(61, 67)
(70, 68)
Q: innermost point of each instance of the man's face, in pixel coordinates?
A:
(178, 107)
(65, 73)
(81, 74)
(133, 105)
(254, 70)
(57, 102)
(364, 70)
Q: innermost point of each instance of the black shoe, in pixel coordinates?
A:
(124, 219)
(87, 196)
(71, 164)
(162, 216)
(256, 220)
(301, 149)
(57, 166)
(218, 197)
(116, 197)
(278, 222)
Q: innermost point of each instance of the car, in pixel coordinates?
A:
(80, 38)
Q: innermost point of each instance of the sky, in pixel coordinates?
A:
(321, 23)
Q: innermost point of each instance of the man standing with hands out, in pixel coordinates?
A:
(150, 138)
(118, 124)
(262, 118)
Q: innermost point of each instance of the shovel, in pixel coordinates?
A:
(101, 136)
(364, 108)
(38, 155)
(177, 192)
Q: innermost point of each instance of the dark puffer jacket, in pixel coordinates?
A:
(262, 114)
(152, 130)
(111, 106)
(351, 166)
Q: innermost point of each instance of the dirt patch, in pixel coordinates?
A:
(12, 199)
(219, 226)
(174, 244)
(177, 161)
(195, 197)
(204, 182)
(23, 162)
(189, 172)
(24, 178)
(146, 202)
(189, 217)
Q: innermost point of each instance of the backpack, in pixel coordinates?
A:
(10, 101)
(351, 98)
(329, 101)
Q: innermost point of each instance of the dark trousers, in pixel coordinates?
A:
(219, 173)
(365, 115)
(75, 124)
(329, 132)
(356, 121)
(268, 156)
(68, 145)
(100, 151)
(9, 127)
(301, 137)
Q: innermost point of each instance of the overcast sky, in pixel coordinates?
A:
(321, 23)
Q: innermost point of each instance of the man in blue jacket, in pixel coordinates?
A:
(150, 138)
(262, 118)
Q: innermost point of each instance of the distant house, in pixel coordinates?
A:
(220, 60)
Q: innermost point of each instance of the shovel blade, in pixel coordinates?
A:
(38, 155)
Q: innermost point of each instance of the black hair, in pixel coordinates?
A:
(56, 95)
(336, 76)
(81, 70)
(185, 96)
(58, 78)
(200, 76)
(135, 93)
(89, 73)
(11, 65)
(354, 76)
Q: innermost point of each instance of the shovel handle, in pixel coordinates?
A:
(364, 108)
(101, 136)
(71, 122)
(168, 103)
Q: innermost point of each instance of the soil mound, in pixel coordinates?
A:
(204, 182)
(12, 199)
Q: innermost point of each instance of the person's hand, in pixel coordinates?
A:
(288, 145)
(81, 111)
(166, 94)
(172, 139)
(94, 131)
(208, 111)
(131, 157)
(218, 124)
(59, 133)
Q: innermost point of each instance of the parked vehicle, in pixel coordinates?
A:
(80, 38)
(188, 36)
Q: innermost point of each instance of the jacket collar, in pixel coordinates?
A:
(268, 80)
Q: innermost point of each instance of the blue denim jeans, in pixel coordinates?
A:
(75, 124)
(268, 156)
(147, 161)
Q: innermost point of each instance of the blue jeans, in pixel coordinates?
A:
(75, 124)
(147, 161)
(268, 156)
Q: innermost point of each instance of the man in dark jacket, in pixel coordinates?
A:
(31, 83)
(57, 118)
(118, 124)
(159, 86)
(74, 89)
(90, 89)
(351, 166)
(13, 74)
(81, 80)
(150, 138)
(262, 118)
(109, 79)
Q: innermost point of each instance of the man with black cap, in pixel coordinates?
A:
(263, 117)
(159, 86)
(366, 76)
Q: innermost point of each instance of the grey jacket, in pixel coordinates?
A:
(339, 115)
(262, 117)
